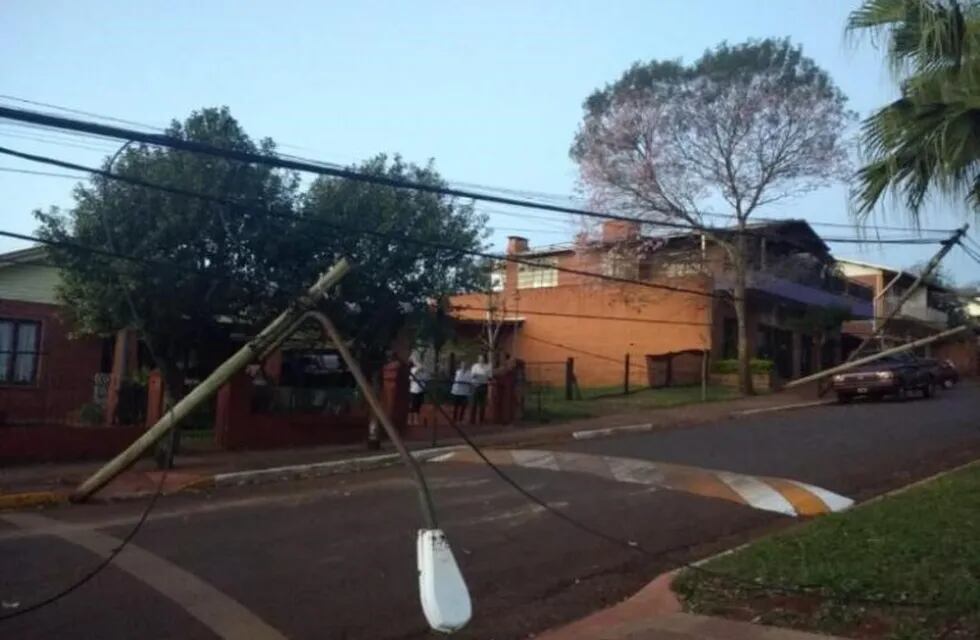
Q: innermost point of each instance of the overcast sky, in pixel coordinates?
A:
(492, 91)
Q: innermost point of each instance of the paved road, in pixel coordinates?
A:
(334, 557)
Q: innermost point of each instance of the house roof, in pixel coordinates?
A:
(22, 256)
(776, 230)
(892, 271)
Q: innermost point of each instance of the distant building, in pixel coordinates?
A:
(926, 313)
(552, 314)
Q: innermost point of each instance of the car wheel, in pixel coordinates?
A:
(844, 398)
(928, 390)
(902, 393)
(948, 383)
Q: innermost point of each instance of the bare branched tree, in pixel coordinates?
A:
(742, 127)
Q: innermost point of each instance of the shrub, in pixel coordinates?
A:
(90, 414)
(757, 366)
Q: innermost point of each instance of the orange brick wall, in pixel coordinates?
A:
(597, 324)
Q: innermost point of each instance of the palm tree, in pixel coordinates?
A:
(929, 139)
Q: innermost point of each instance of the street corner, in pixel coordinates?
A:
(638, 612)
(32, 499)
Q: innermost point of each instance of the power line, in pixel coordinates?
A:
(49, 174)
(970, 252)
(21, 115)
(89, 114)
(636, 547)
(316, 166)
(372, 232)
(375, 233)
(585, 316)
(908, 241)
(48, 140)
(322, 169)
(74, 246)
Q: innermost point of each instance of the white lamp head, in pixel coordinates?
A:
(445, 598)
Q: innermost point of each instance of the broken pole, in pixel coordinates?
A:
(274, 333)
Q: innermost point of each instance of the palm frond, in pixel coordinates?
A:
(929, 139)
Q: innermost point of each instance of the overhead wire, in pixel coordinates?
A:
(50, 174)
(818, 591)
(348, 228)
(628, 544)
(282, 162)
(544, 197)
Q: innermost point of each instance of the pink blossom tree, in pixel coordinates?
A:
(742, 127)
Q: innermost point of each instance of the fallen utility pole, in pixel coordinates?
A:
(367, 389)
(273, 334)
(443, 593)
(877, 356)
(930, 267)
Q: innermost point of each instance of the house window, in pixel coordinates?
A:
(19, 351)
(498, 279)
(618, 265)
(538, 275)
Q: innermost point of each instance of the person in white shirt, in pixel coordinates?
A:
(460, 391)
(480, 378)
(418, 379)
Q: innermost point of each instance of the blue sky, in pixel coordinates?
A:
(492, 91)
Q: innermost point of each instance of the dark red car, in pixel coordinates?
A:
(894, 375)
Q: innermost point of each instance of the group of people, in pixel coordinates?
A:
(469, 389)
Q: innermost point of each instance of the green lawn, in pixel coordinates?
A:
(548, 404)
(921, 546)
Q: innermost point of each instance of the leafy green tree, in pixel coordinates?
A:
(742, 127)
(401, 264)
(209, 263)
(927, 141)
(217, 269)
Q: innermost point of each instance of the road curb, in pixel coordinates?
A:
(377, 461)
(31, 499)
(782, 407)
(588, 434)
(316, 469)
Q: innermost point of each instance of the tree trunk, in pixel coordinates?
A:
(741, 315)
(374, 428)
(169, 445)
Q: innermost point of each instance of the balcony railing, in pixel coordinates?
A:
(914, 310)
(801, 292)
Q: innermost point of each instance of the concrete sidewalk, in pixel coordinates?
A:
(44, 484)
(654, 613)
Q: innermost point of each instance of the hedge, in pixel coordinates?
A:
(731, 366)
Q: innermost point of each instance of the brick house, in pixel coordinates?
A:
(46, 376)
(554, 314)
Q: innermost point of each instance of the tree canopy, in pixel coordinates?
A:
(741, 127)
(213, 267)
(748, 124)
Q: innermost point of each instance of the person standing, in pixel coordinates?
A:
(460, 391)
(418, 380)
(480, 378)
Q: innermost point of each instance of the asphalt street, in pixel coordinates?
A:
(334, 557)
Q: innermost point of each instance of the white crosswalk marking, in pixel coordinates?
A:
(757, 493)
